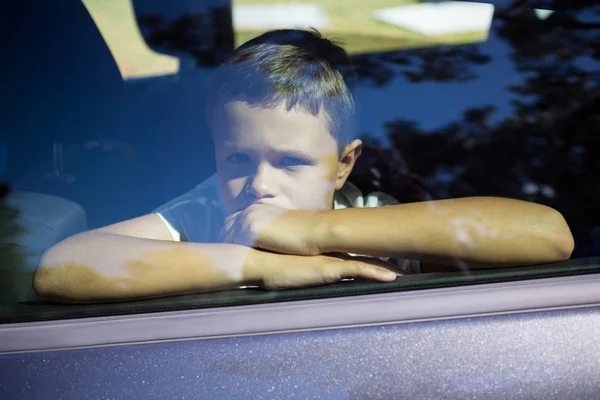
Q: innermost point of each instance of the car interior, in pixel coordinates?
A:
(83, 149)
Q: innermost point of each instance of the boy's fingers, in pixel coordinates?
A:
(354, 269)
(369, 262)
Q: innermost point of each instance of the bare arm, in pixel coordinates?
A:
(481, 231)
(135, 259)
(138, 259)
(476, 232)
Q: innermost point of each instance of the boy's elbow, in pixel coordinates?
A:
(44, 284)
(54, 281)
(48, 279)
(559, 234)
(565, 244)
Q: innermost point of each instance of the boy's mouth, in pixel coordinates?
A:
(261, 201)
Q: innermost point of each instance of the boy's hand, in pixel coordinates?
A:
(279, 271)
(272, 228)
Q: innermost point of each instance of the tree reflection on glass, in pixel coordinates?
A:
(543, 150)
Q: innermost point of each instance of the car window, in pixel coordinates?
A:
(124, 139)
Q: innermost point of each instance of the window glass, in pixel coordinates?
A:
(135, 165)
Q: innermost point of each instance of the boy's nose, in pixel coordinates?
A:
(264, 182)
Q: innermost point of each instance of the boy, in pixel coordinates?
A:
(279, 207)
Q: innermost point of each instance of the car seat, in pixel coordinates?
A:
(29, 224)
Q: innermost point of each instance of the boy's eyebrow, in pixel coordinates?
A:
(297, 154)
(232, 145)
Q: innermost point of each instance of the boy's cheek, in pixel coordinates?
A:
(329, 164)
(326, 183)
(315, 194)
(230, 191)
(235, 186)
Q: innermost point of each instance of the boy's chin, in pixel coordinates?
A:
(285, 205)
(281, 206)
(270, 204)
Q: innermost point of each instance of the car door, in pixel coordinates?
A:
(522, 339)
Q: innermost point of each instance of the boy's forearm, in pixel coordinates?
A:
(482, 231)
(98, 267)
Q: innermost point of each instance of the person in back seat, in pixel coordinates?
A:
(280, 212)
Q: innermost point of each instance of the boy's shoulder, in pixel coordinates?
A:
(205, 193)
(195, 216)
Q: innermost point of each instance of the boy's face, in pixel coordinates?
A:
(284, 158)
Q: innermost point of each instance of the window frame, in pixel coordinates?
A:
(580, 291)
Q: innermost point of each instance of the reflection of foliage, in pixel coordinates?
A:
(436, 64)
(381, 169)
(12, 257)
(205, 36)
(9, 229)
(546, 150)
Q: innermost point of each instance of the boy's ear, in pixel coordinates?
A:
(350, 154)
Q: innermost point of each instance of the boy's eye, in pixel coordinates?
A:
(293, 162)
(238, 158)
